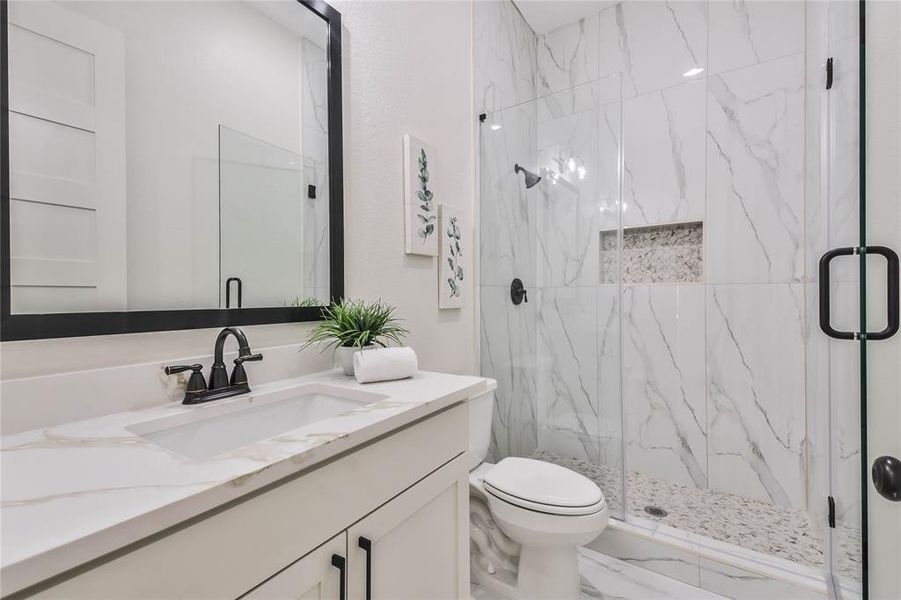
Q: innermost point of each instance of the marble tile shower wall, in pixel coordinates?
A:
(712, 374)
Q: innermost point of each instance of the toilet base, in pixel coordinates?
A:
(549, 572)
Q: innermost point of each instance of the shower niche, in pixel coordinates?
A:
(670, 253)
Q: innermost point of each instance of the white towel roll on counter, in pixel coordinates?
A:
(385, 364)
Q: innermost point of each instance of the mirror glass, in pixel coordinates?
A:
(167, 155)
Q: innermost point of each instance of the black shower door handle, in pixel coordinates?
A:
(892, 293)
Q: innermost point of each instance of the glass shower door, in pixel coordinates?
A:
(555, 351)
(880, 232)
(858, 294)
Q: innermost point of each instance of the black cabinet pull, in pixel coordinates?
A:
(228, 292)
(339, 563)
(366, 545)
(894, 318)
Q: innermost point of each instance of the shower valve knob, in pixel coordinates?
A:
(518, 293)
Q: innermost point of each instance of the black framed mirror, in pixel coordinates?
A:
(168, 165)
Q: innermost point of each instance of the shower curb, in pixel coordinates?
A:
(713, 565)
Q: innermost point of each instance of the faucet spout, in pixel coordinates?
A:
(218, 373)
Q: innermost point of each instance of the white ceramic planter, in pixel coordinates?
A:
(345, 357)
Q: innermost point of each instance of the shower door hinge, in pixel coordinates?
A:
(829, 73)
(831, 501)
(482, 117)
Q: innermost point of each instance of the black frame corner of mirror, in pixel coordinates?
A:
(59, 325)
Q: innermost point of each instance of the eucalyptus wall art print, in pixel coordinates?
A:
(420, 198)
(452, 275)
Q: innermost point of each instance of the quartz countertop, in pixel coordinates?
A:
(75, 492)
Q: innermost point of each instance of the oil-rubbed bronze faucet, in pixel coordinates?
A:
(220, 385)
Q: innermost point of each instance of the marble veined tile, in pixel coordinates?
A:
(663, 382)
(755, 173)
(579, 193)
(508, 211)
(638, 550)
(734, 582)
(755, 392)
(747, 32)
(508, 342)
(665, 155)
(581, 97)
(654, 44)
(568, 55)
(605, 578)
(570, 193)
(568, 372)
(504, 56)
(609, 357)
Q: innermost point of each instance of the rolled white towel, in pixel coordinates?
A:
(385, 364)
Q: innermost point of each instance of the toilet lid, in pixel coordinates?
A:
(539, 485)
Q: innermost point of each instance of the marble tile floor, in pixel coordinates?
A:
(606, 578)
(786, 533)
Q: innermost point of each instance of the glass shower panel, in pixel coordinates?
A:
(507, 242)
(838, 372)
(578, 325)
(556, 356)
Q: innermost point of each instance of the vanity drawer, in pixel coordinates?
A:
(231, 551)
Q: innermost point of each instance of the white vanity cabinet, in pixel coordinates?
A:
(317, 576)
(406, 491)
(417, 545)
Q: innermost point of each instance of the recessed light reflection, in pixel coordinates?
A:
(495, 127)
(692, 72)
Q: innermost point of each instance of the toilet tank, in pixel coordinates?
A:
(480, 409)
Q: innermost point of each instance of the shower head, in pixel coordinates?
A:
(531, 178)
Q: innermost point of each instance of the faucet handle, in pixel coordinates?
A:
(173, 369)
(248, 358)
(196, 383)
(239, 375)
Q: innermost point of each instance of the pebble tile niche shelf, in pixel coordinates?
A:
(671, 253)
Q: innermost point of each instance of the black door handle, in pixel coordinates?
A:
(886, 474)
(892, 299)
(366, 545)
(892, 293)
(339, 563)
(825, 293)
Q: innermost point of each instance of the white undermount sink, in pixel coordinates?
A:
(211, 429)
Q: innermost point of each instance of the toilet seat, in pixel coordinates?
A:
(543, 487)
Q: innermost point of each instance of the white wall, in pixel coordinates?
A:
(406, 69)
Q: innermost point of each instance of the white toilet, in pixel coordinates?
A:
(548, 510)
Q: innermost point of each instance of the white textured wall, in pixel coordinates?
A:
(407, 68)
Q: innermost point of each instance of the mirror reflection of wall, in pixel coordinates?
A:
(149, 151)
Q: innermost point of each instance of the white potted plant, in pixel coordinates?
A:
(354, 325)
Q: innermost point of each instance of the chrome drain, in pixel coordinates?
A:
(655, 511)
